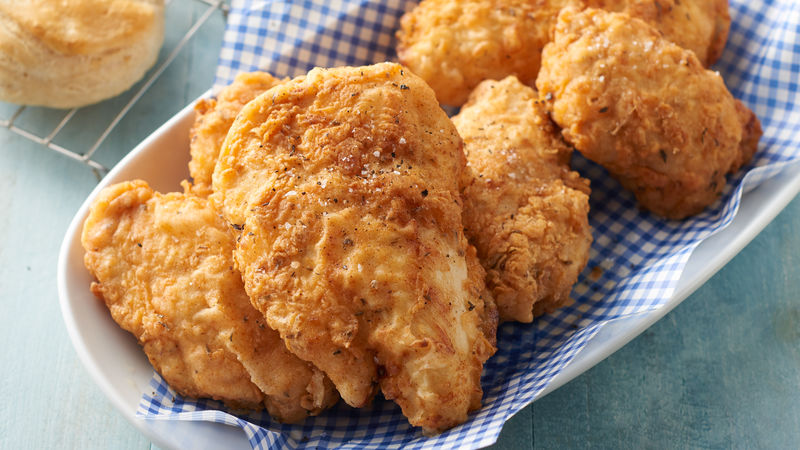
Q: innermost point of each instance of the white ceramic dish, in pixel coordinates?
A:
(120, 368)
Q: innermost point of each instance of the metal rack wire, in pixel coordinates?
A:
(85, 157)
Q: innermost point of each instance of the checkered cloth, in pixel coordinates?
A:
(636, 259)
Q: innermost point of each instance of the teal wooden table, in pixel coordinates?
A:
(720, 371)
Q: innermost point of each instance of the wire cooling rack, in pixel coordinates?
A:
(46, 137)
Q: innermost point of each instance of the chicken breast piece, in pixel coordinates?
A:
(164, 267)
(213, 118)
(454, 45)
(525, 211)
(646, 110)
(344, 186)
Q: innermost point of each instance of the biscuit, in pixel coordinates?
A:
(76, 52)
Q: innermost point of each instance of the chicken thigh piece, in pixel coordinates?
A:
(645, 109)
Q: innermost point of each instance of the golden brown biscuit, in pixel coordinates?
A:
(344, 186)
(213, 118)
(645, 109)
(454, 45)
(165, 270)
(71, 53)
(524, 210)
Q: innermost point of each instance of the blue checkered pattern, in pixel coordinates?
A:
(636, 259)
(289, 38)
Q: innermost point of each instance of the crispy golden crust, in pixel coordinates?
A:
(165, 270)
(697, 25)
(645, 109)
(454, 45)
(213, 118)
(344, 184)
(524, 210)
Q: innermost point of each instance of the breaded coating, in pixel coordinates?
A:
(344, 186)
(454, 45)
(213, 118)
(698, 25)
(525, 211)
(164, 267)
(646, 110)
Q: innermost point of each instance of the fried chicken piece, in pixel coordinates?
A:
(524, 210)
(344, 184)
(646, 110)
(698, 25)
(213, 118)
(454, 45)
(164, 267)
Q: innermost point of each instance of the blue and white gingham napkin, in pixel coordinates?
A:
(636, 259)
